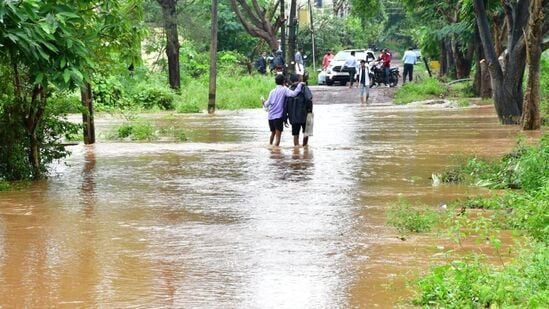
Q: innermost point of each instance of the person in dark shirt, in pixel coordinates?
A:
(385, 58)
(261, 63)
(278, 61)
(297, 108)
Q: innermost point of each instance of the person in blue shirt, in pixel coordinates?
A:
(409, 59)
(275, 105)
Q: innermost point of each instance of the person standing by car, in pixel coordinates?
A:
(261, 63)
(275, 104)
(351, 66)
(327, 59)
(364, 82)
(409, 59)
(299, 65)
(385, 59)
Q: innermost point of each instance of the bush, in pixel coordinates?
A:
(407, 219)
(544, 87)
(427, 89)
(151, 96)
(471, 283)
(526, 167)
(136, 131)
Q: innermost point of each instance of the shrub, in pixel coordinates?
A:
(407, 219)
(151, 96)
(471, 283)
(136, 131)
(526, 167)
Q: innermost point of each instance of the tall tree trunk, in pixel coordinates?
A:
(283, 29)
(213, 61)
(87, 114)
(172, 41)
(450, 63)
(463, 60)
(443, 63)
(292, 35)
(531, 118)
(507, 87)
(34, 117)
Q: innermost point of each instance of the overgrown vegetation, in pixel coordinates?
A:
(527, 167)
(472, 281)
(544, 88)
(426, 89)
(142, 130)
(408, 219)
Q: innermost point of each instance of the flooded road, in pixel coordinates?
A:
(225, 221)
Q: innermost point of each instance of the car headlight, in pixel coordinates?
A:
(329, 71)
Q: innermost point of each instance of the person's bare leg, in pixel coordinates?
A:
(277, 137)
(305, 141)
(361, 99)
(271, 138)
(296, 140)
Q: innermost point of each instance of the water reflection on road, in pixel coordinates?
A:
(225, 221)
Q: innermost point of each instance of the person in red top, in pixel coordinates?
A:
(385, 58)
(327, 59)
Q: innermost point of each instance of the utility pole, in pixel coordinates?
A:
(213, 61)
(283, 30)
(312, 34)
(292, 44)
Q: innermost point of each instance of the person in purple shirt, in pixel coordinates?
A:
(275, 104)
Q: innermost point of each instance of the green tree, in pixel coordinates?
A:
(40, 48)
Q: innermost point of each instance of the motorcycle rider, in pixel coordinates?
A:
(385, 58)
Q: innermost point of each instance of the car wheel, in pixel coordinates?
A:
(329, 82)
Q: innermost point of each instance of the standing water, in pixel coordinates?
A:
(225, 221)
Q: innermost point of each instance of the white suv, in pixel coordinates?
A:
(336, 72)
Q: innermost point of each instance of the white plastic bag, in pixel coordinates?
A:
(309, 125)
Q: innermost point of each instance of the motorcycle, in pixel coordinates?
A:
(377, 75)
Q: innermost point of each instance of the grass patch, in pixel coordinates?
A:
(526, 167)
(544, 88)
(140, 130)
(407, 219)
(4, 186)
(136, 131)
(233, 93)
(474, 281)
(426, 89)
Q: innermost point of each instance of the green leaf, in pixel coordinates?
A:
(39, 78)
(66, 75)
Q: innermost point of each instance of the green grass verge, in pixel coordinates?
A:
(473, 281)
(407, 219)
(232, 93)
(426, 89)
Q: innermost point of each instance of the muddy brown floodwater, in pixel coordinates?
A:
(225, 221)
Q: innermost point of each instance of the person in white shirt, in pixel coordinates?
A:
(409, 59)
(299, 65)
(364, 82)
(351, 65)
